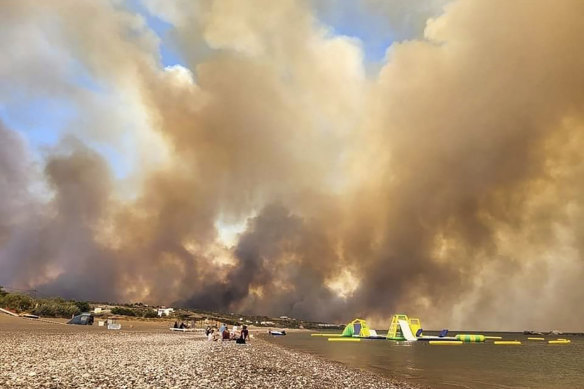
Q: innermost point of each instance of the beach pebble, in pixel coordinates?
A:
(68, 357)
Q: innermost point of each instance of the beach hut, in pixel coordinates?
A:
(164, 311)
(357, 328)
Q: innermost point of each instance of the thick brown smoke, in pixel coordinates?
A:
(447, 186)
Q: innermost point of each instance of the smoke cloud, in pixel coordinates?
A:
(271, 173)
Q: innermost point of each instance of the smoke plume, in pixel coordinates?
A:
(271, 173)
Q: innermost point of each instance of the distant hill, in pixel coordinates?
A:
(23, 303)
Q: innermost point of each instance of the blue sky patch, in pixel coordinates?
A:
(354, 20)
(169, 54)
(40, 120)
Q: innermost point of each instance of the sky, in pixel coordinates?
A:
(321, 159)
(41, 120)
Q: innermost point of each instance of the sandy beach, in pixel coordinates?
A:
(37, 354)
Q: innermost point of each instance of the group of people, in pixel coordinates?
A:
(181, 325)
(223, 333)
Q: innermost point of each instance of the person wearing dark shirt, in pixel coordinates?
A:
(243, 336)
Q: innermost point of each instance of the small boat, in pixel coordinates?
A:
(277, 333)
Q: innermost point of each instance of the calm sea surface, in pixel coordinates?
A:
(534, 364)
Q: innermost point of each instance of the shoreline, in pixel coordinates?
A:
(44, 355)
(376, 380)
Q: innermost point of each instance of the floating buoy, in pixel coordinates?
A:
(507, 342)
(535, 338)
(559, 341)
(326, 335)
(470, 338)
(445, 342)
(493, 337)
(344, 340)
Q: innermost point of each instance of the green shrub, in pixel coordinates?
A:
(47, 307)
(17, 302)
(150, 314)
(83, 306)
(52, 308)
(123, 311)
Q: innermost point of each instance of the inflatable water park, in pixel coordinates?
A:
(408, 329)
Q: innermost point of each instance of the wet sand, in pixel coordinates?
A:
(37, 354)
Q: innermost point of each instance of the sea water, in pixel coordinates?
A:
(533, 364)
